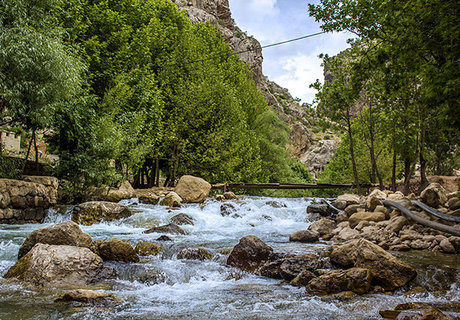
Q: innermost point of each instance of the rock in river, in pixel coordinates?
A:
(92, 212)
(192, 189)
(64, 233)
(117, 250)
(357, 280)
(168, 228)
(386, 270)
(51, 265)
(249, 253)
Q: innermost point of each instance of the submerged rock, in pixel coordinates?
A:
(163, 238)
(168, 228)
(182, 218)
(92, 212)
(86, 296)
(192, 189)
(357, 280)
(52, 265)
(64, 233)
(249, 254)
(195, 254)
(145, 248)
(117, 250)
(386, 270)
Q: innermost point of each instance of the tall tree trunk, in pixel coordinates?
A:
(36, 152)
(423, 178)
(352, 154)
(27, 156)
(393, 172)
(411, 168)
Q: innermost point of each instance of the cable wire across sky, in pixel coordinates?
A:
(267, 46)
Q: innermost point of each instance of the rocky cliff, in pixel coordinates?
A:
(313, 149)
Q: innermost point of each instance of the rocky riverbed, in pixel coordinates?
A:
(143, 266)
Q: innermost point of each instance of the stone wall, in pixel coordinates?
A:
(10, 141)
(26, 201)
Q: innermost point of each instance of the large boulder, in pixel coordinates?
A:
(249, 254)
(386, 270)
(434, 195)
(192, 189)
(124, 190)
(305, 236)
(365, 216)
(357, 280)
(51, 265)
(373, 199)
(168, 228)
(64, 233)
(322, 227)
(116, 250)
(172, 199)
(92, 212)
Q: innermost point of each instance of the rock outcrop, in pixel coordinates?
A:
(51, 265)
(64, 233)
(26, 201)
(92, 212)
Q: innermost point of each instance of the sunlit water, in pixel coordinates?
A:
(164, 287)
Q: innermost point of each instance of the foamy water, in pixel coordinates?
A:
(164, 287)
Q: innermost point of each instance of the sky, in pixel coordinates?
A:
(295, 65)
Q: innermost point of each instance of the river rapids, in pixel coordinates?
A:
(164, 287)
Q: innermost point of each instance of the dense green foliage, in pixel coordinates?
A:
(147, 84)
(403, 71)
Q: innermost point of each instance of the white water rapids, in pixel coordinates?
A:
(164, 287)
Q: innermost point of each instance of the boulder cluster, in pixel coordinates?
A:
(367, 218)
(356, 267)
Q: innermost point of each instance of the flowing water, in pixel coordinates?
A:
(164, 287)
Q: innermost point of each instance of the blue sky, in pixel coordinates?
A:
(295, 65)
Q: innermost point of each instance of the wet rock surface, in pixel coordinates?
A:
(171, 228)
(249, 254)
(64, 233)
(52, 265)
(92, 212)
(116, 250)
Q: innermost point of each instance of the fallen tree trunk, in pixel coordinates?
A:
(422, 221)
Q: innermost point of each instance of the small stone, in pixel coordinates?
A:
(303, 278)
(172, 199)
(163, 238)
(446, 246)
(229, 195)
(86, 296)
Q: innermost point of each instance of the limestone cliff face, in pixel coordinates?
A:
(302, 141)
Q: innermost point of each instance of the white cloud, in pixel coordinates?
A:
(294, 65)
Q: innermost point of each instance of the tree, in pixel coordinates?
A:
(37, 71)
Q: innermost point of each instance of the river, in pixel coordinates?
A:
(164, 287)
